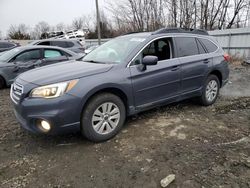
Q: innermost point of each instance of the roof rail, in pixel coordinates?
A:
(181, 30)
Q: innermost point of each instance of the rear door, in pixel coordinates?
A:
(194, 61)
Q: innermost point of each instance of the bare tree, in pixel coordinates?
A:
(85, 22)
(78, 23)
(42, 29)
(19, 32)
(238, 5)
(60, 27)
(137, 15)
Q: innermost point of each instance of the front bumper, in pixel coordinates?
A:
(63, 113)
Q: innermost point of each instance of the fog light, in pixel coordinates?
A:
(45, 125)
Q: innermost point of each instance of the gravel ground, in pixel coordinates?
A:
(203, 146)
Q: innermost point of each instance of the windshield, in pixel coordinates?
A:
(9, 54)
(114, 51)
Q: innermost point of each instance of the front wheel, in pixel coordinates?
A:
(103, 117)
(210, 90)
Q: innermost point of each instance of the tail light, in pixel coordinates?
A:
(227, 57)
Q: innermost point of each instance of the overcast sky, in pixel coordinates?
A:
(30, 12)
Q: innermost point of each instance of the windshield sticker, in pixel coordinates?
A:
(137, 39)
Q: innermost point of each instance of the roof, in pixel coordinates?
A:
(66, 40)
(171, 31)
(181, 31)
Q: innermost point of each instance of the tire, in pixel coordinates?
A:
(98, 124)
(210, 90)
(2, 82)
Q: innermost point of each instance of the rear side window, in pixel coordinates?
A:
(186, 46)
(9, 45)
(61, 44)
(70, 44)
(45, 43)
(6, 45)
(211, 47)
(200, 47)
(65, 54)
(52, 53)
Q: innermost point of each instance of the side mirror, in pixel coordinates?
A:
(148, 61)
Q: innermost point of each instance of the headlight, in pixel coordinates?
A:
(53, 90)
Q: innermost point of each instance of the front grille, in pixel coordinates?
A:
(16, 92)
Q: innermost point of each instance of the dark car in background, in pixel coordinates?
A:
(21, 59)
(73, 45)
(7, 45)
(124, 76)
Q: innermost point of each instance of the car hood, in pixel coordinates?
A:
(63, 71)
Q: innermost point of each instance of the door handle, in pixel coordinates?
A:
(175, 68)
(206, 61)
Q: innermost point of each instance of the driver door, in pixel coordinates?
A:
(158, 83)
(22, 63)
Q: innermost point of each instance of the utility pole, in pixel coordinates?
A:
(98, 22)
(195, 14)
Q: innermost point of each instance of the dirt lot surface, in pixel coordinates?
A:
(203, 146)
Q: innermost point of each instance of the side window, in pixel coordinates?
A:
(9, 45)
(52, 53)
(186, 46)
(160, 48)
(70, 44)
(61, 44)
(45, 43)
(65, 54)
(200, 47)
(211, 47)
(28, 55)
(6, 45)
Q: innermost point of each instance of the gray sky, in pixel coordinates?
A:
(30, 12)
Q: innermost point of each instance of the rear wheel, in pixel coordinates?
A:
(210, 90)
(103, 117)
(2, 82)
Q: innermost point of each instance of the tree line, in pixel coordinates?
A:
(124, 16)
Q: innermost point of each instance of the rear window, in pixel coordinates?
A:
(211, 47)
(186, 46)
